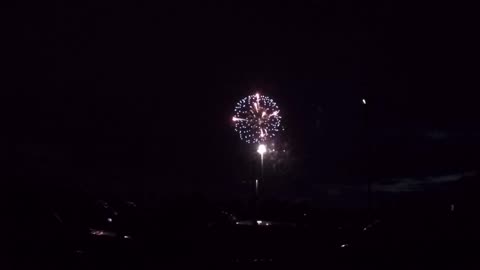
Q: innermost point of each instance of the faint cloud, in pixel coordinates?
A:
(409, 184)
(437, 135)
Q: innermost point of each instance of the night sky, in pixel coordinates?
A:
(138, 98)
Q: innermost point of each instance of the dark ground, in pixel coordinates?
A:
(195, 233)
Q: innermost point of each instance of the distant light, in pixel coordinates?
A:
(96, 232)
(304, 214)
(452, 207)
(262, 149)
(109, 219)
(344, 245)
(259, 222)
(364, 101)
(102, 233)
(127, 237)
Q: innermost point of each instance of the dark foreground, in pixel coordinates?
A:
(95, 234)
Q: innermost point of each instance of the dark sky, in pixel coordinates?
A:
(138, 97)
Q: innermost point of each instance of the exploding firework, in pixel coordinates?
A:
(257, 118)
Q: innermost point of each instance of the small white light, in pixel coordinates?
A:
(262, 149)
(364, 101)
(344, 245)
(109, 219)
(259, 222)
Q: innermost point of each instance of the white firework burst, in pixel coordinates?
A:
(257, 118)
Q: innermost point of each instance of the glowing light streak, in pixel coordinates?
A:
(275, 113)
